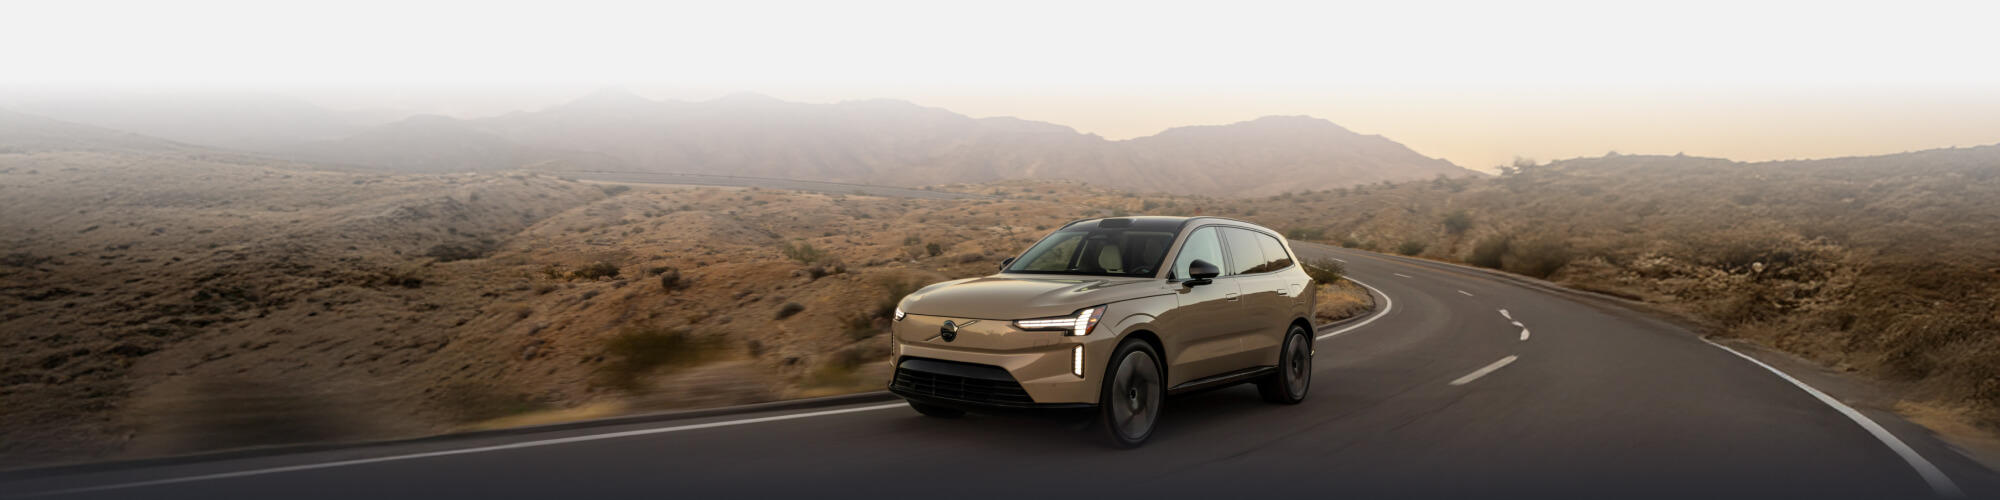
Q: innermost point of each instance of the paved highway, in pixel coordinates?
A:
(1439, 395)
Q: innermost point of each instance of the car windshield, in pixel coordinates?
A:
(1096, 252)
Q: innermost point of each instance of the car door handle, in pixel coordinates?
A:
(1231, 297)
(1284, 293)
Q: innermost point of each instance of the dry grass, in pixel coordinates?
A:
(1884, 265)
(1341, 300)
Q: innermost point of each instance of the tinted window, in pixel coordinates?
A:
(1274, 252)
(1202, 244)
(1114, 252)
(1246, 256)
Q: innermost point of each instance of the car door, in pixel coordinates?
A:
(1206, 325)
(1265, 298)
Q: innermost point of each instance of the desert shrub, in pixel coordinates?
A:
(403, 277)
(1325, 271)
(893, 291)
(1350, 242)
(638, 351)
(1457, 222)
(449, 253)
(595, 270)
(802, 252)
(859, 326)
(670, 279)
(614, 190)
(789, 309)
(1305, 233)
(1411, 247)
(933, 249)
(967, 258)
(1491, 252)
(1539, 258)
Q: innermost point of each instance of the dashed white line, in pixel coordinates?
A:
(1940, 483)
(1387, 305)
(1338, 259)
(1503, 313)
(1466, 294)
(1469, 377)
(1401, 274)
(462, 451)
(1524, 334)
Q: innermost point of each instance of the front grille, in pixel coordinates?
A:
(984, 389)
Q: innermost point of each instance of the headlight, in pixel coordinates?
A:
(899, 314)
(1078, 323)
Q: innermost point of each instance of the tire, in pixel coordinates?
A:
(1133, 395)
(1294, 377)
(935, 411)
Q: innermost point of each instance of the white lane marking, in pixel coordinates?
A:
(1401, 274)
(1503, 313)
(1466, 294)
(482, 449)
(1524, 334)
(1469, 377)
(1387, 305)
(1337, 259)
(1517, 323)
(1940, 483)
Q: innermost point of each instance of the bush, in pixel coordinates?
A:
(636, 352)
(934, 249)
(802, 252)
(614, 189)
(1458, 222)
(1411, 247)
(1539, 258)
(670, 278)
(789, 309)
(1491, 252)
(893, 291)
(1325, 271)
(595, 270)
(1306, 234)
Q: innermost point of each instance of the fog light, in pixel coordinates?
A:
(1076, 361)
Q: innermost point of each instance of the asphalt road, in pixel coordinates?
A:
(1597, 402)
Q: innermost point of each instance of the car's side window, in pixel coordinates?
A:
(1274, 252)
(1246, 256)
(1201, 244)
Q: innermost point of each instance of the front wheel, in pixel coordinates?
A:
(1134, 392)
(1295, 371)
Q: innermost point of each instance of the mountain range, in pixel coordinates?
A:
(883, 142)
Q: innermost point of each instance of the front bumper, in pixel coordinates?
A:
(968, 386)
(1041, 363)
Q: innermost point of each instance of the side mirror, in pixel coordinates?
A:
(1200, 272)
(1005, 263)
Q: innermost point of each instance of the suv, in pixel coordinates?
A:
(1108, 317)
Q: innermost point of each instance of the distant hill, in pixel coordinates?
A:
(21, 132)
(885, 142)
(232, 120)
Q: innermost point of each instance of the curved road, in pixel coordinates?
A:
(1591, 401)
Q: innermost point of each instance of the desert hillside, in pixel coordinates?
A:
(161, 298)
(1885, 265)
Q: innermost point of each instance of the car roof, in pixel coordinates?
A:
(1153, 223)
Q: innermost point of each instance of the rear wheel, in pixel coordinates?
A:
(935, 411)
(1134, 392)
(1294, 376)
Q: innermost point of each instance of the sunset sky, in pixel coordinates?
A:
(1477, 83)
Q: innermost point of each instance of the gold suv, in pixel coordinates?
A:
(1110, 316)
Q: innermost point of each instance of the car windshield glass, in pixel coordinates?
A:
(1096, 252)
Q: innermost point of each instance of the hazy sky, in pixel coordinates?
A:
(1473, 82)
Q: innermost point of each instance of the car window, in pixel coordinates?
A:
(1097, 252)
(1202, 244)
(1274, 253)
(1053, 254)
(1246, 256)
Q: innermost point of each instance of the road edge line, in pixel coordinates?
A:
(1388, 304)
(1933, 476)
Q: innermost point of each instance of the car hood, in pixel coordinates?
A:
(1009, 297)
